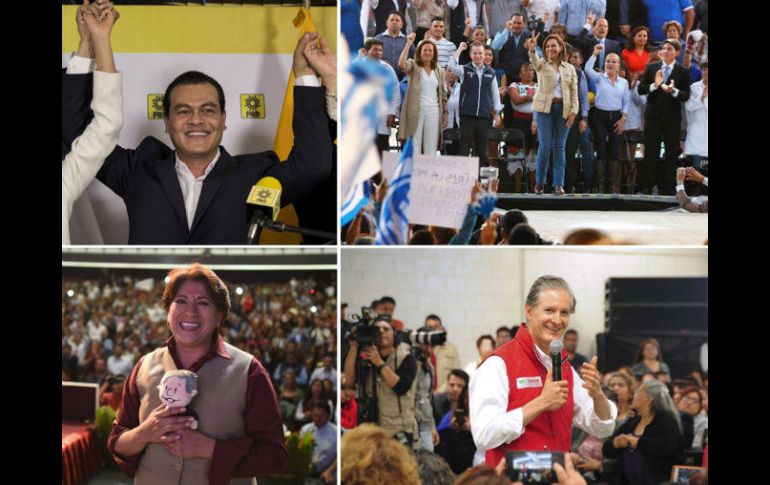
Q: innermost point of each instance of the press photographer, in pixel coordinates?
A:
(385, 376)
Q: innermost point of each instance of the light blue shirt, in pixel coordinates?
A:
(325, 449)
(502, 37)
(609, 96)
(573, 13)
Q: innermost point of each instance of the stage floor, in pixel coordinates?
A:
(662, 228)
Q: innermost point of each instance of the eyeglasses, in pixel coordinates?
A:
(689, 399)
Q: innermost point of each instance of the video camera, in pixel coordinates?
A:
(536, 24)
(532, 467)
(362, 328)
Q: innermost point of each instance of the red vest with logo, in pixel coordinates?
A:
(551, 430)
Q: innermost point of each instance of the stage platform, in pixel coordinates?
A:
(587, 202)
(660, 228)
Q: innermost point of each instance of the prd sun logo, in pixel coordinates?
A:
(155, 106)
(253, 106)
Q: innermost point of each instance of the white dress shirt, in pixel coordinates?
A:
(493, 425)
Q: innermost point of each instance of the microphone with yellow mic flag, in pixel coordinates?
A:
(264, 202)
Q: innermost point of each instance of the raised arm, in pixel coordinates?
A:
(98, 140)
(405, 53)
(310, 160)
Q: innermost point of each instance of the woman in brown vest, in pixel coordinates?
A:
(239, 427)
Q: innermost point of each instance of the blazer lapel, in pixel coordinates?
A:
(166, 171)
(211, 186)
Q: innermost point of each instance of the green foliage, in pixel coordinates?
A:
(300, 460)
(105, 415)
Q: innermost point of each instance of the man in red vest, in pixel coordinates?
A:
(515, 404)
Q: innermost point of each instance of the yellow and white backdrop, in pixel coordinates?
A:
(247, 48)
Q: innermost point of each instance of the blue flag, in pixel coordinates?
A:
(357, 198)
(394, 225)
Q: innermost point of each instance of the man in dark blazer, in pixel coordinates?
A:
(196, 193)
(511, 48)
(667, 84)
(587, 39)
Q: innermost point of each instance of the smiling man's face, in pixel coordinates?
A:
(548, 320)
(195, 122)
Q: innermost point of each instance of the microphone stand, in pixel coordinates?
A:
(267, 223)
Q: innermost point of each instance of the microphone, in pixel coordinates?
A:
(264, 202)
(556, 348)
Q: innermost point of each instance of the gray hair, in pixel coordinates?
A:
(549, 282)
(190, 378)
(662, 402)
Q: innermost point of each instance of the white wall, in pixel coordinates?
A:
(475, 290)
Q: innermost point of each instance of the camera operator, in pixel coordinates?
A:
(424, 395)
(395, 370)
(446, 355)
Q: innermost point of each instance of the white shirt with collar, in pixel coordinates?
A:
(493, 425)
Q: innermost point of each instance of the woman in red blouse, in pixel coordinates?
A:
(637, 54)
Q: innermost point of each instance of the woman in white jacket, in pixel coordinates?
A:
(89, 150)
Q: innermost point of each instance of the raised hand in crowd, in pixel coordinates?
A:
(509, 25)
(354, 230)
(488, 234)
(591, 17)
(692, 174)
(567, 474)
(381, 190)
(410, 38)
(681, 174)
(533, 41)
(476, 190)
(597, 50)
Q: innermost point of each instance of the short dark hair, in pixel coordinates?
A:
(570, 332)
(433, 468)
(396, 12)
(674, 43)
(321, 405)
(523, 234)
(513, 216)
(518, 14)
(371, 42)
(434, 19)
(433, 316)
(192, 77)
(500, 329)
(459, 373)
(387, 299)
(422, 238)
(486, 336)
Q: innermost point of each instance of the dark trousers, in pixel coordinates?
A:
(383, 145)
(655, 171)
(607, 144)
(576, 140)
(474, 132)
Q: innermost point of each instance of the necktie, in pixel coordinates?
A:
(601, 56)
(666, 73)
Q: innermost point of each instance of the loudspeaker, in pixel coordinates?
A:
(664, 306)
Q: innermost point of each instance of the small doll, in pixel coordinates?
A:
(177, 388)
